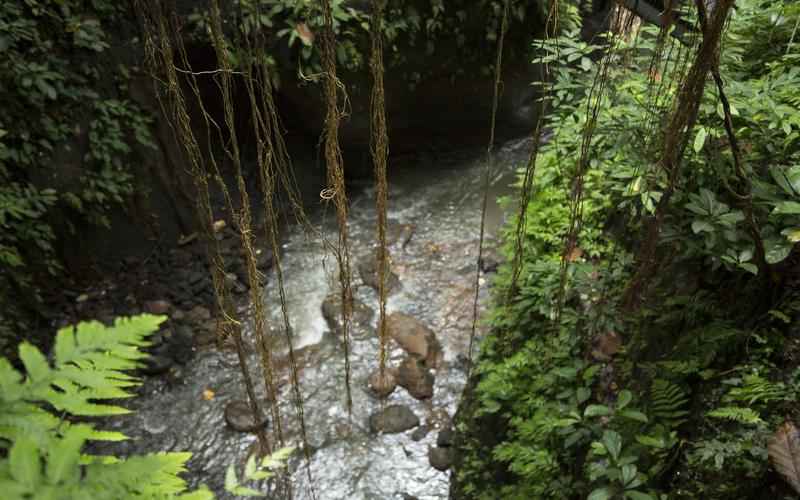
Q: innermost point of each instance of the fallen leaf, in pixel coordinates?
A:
(305, 33)
(784, 452)
(575, 254)
(208, 394)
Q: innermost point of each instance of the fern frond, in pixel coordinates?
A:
(668, 403)
(755, 389)
(737, 414)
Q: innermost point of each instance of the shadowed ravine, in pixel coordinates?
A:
(434, 213)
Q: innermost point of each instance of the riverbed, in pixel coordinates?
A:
(434, 215)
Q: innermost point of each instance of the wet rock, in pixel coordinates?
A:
(156, 364)
(446, 437)
(195, 277)
(415, 338)
(400, 234)
(440, 458)
(157, 307)
(239, 417)
(393, 419)
(264, 259)
(360, 320)
(180, 345)
(368, 270)
(420, 432)
(382, 386)
(415, 378)
(234, 284)
(489, 264)
(198, 314)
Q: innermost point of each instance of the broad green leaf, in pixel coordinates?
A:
(628, 473)
(613, 443)
(634, 415)
(792, 234)
(787, 208)
(596, 410)
(600, 494)
(638, 495)
(750, 268)
(651, 441)
(624, 398)
(700, 225)
(583, 394)
(777, 249)
(700, 139)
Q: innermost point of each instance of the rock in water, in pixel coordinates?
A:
(393, 419)
(446, 437)
(415, 378)
(157, 307)
(360, 320)
(156, 364)
(239, 417)
(440, 458)
(368, 270)
(420, 433)
(382, 386)
(415, 338)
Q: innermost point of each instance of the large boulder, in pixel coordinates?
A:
(413, 376)
(415, 338)
(393, 419)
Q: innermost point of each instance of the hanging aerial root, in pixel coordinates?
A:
(745, 200)
(675, 139)
(526, 189)
(264, 117)
(333, 159)
(244, 222)
(160, 58)
(380, 153)
(498, 68)
(622, 22)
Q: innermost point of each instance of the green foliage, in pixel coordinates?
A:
(43, 434)
(410, 27)
(255, 471)
(685, 406)
(67, 135)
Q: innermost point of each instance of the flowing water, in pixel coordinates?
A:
(434, 213)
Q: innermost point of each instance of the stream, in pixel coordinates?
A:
(434, 215)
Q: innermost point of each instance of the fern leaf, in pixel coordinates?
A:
(784, 452)
(63, 453)
(668, 402)
(737, 414)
